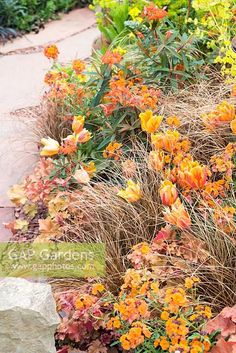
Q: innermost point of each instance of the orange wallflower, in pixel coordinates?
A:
(51, 51)
(130, 93)
(176, 327)
(149, 122)
(97, 288)
(173, 121)
(111, 57)
(84, 301)
(132, 193)
(190, 281)
(224, 218)
(78, 66)
(51, 77)
(168, 193)
(164, 344)
(201, 312)
(114, 323)
(153, 13)
(177, 215)
(164, 315)
(132, 309)
(113, 150)
(68, 146)
(135, 336)
(176, 297)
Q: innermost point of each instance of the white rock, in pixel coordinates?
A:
(28, 317)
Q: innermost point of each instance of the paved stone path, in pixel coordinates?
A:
(22, 70)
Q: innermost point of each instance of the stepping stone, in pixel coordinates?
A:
(6, 215)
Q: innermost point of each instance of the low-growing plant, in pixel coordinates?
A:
(27, 15)
(146, 315)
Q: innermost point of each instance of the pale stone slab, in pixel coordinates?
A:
(18, 155)
(6, 215)
(54, 31)
(28, 317)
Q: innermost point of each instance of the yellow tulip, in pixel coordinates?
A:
(78, 123)
(132, 193)
(149, 122)
(51, 147)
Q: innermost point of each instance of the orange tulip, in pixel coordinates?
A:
(132, 193)
(149, 122)
(166, 141)
(226, 111)
(156, 160)
(168, 193)
(177, 215)
(78, 123)
(233, 126)
(83, 136)
(192, 175)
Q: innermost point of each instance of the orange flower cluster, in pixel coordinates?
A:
(201, 312)
(85, 301)
(113, 150)
(132, 309)
(135, 336)
(78, 66)
(153, 13)
(223, 114)
(179, 315)
(175, 298)
(223, 162)
(51, 51)
(136, 284)
(53, 76)
(111, 57)
(61, 89)
(130, 93)
(224, 218)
